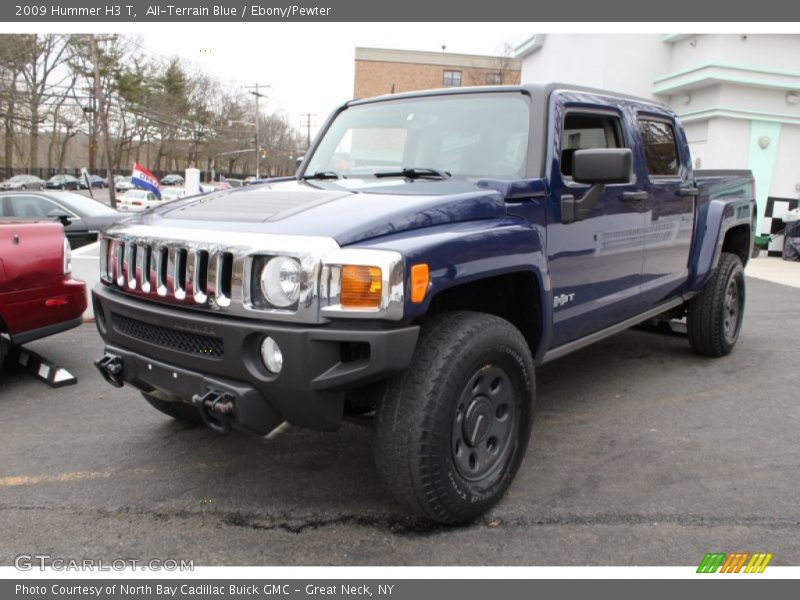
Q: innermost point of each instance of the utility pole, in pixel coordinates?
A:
(258, 95)
(307, 125)
(103, 114)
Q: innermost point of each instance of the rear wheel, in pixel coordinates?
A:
(451, 430)
(176, 409)
(714, 316)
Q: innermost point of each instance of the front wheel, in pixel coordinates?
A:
(452, 429)
(714, 317)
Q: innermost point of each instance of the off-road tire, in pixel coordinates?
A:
(417, 426)
(714, 317)
(180, 411)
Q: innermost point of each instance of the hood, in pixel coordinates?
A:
(294, 207)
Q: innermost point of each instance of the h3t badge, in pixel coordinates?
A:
(563, 299)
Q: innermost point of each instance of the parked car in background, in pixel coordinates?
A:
(95, 180)
(82, 217)
(63, 181)
(123, 184)
(23, 182)
(38, 296)
(172, 179)
(137, 200)
(251, 180)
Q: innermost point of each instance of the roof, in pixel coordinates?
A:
(535, 90)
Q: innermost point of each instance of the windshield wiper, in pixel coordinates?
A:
(324, 175)
(415, 173)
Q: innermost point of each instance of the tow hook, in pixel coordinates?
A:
(216, 409)
(110, 367)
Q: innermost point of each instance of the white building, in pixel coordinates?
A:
(738, 96)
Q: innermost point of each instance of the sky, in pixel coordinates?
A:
(309, 66)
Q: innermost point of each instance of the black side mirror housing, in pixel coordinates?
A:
(602, 165)
(61, 216)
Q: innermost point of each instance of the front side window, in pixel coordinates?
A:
(583, 131)
(32, 207)
(466, 135)
(660, 150)
(451, 79)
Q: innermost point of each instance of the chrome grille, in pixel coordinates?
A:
(168, 271)
(175, 266)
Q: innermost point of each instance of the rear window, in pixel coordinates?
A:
(660, 150)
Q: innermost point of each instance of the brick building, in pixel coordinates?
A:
(381, 71)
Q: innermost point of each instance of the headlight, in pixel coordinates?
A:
(280, 281)
(67, 256)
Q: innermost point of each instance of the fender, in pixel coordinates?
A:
(463, 252)
(715, 216)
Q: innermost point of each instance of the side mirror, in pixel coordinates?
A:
(602, 165)
(61, 216)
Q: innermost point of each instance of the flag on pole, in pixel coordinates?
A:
(223, 183)
(145, 180)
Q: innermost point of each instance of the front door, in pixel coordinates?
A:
(595, 255)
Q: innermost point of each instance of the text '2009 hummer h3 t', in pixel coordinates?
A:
(431, 250)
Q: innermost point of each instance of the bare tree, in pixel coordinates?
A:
(43, 58)
(10, 68)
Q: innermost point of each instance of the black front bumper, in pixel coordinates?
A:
(185, 353)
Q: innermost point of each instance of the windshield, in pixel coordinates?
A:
(466, 135)
(86, 206)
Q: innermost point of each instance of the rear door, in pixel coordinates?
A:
(668, 210)
(595, 260)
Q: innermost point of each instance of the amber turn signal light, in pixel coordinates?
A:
(361, 287)
(419, 282)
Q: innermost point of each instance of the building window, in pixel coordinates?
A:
(494, 78)
(451, 79)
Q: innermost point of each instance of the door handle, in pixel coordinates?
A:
(688, 191)
(633, 196)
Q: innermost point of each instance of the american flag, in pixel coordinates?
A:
(223, 183)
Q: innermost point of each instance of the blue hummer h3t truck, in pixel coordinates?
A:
(432, 249)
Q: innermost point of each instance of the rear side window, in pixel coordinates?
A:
(582, 131)
(660, 150)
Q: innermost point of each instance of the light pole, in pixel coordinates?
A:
(255, 91)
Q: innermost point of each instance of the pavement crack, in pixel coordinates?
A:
(409, 526)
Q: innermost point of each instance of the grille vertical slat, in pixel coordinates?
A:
(119, 249)
(162, 271)
(143, 254)
(179, 273)
(196, 272)
(130, 265)
(104, 245)
(223, 279)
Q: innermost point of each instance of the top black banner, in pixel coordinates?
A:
(148, 11)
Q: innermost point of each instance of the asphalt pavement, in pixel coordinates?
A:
(642, 454)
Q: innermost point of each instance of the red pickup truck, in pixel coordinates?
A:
(38, 296)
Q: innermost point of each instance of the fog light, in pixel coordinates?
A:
(271, 355)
